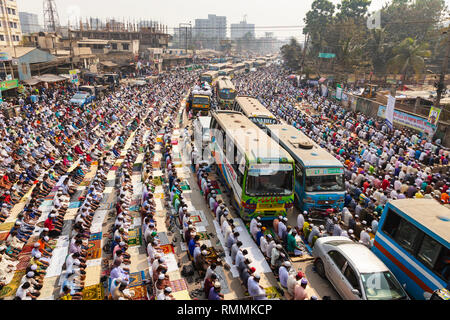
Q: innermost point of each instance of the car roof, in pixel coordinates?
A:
(362, 258)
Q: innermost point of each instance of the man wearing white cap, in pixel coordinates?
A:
(255, 290)
(166, 294)
(254, 226)
(283, 273)
(275, 257)
(365, 237)
(301, 220)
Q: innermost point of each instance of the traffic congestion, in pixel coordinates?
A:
(226, 182)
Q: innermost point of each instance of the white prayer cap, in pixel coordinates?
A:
(204, 252)
(161, 276)
(33, 267)
(30, 274)
(305, 212)
(256, 275)
(279, 246)
(168, 289)
(36, 244)
(46, 238)
(369, 230)
(322, 227)
(285, 219)
(38, 255)
(286, 264)
(280, 217)
(364, 222)
(350, 231)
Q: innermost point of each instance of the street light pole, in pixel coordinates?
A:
(441, 84)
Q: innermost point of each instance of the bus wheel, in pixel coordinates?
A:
(320, 268)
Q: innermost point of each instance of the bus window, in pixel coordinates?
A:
(442, 266)
(325, 183)
(406, 235)
(274, 179)
(391, 223)
(237, 165)
(429, 251)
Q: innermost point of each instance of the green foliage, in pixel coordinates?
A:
(292, 54)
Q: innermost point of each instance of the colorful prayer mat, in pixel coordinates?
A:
(212, 256)
(157, 181)
(85, 183)
(196, 219)
(24, 260)
(272, 293)
(114, 168)
(96, 236)
(94, 250)
(134, 208)
(95, 292)
(156, 164)
(203, 235)
(138, 293)
(135, 237)
(74, 205)
(178, 285)
(159, 195)
(185, 186)
(3, 236)
(167, 248)
(12, 287)
(136, 279)
(6, 226)
(174, 142)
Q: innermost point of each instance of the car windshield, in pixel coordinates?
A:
(325, 183)
(79, 96)
(382, 286)
(274, 179)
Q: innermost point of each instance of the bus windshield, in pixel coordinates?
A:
(270, 179)
(206, 79)
(227, 94)
(200, 100)
(382, 286)
(317, 183)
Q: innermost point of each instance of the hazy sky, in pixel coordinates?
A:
(263, 13)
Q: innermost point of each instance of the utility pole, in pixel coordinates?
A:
(441, 84)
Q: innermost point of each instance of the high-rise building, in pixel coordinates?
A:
(239, 30)
(215, 27)
(29, 22)
(10, 30)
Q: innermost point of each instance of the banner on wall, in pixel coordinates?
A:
(408, 120)
(390, 111)
(433, 117)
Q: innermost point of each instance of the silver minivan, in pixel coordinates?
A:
(354, 271)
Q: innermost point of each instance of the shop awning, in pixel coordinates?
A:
(322, 80)
(108, 64)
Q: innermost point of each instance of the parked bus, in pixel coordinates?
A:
(254, 110)
(209, 76)
(226, 92)
(238, 68)
(228, 72)
(218, 66)
(319, 181)
(413, 239)
(259, 63)
(255, 168)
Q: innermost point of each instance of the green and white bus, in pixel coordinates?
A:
(258, 172)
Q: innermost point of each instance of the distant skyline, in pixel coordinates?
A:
(282, 17)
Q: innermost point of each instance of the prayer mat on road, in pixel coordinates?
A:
(167, 248)
(95, 292)
(156, 164)
(138, 293)
(12, 287)
(203, 235)
(135, 237)
(196, 219)
(96, 236)
(3, 236)
(185, 186)
(136, 279)
(159, 195)
(26, 249)
(272, 293)
(114, 168)
(74, 205)
(174, 142)
(134, 208)
(85, 183)
(157, 181)
(137, 167)
(94, 250)
(24, 260)
(6, 226)
(178, 285)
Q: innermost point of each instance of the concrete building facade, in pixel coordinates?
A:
(29, 22)
(10, 29)
(215, 27)
(239, 30)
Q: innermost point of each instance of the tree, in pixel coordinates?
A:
(317, 21)
(292, 54)
(409, 56)
(355, 9)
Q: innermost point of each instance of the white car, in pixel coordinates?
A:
(354, 271)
